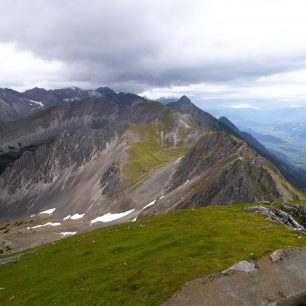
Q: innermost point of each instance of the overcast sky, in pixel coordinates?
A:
(239, 53)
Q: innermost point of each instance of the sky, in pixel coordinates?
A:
(240, 54)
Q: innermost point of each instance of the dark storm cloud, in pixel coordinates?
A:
(134, 45)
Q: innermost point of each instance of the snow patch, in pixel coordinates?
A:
(47, 212)
(186, 182)
(47, 224)
(74, 217)
(77, 216)
(150, 204)
(135, 219)
(72, 99)
(68, 233)
(110, 217)
(38, 103)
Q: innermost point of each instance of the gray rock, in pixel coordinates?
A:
(244, 265)
(111, 181)
(277, 255)
(279, 216)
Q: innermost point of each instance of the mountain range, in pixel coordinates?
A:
(92, 153)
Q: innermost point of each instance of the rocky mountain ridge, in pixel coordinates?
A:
(16, 105)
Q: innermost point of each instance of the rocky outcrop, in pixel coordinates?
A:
(296, 211)
(281, 216)
(262, 283)
(111, 183)
(221, 169)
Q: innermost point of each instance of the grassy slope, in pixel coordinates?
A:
(140, 263)
(149, 153)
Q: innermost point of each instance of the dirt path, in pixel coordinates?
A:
(270, 283)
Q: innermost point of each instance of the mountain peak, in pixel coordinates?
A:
(184, 99)
(106, 91)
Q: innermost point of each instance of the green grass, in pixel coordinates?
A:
(140, 263)
(148, 153)
(298, 202)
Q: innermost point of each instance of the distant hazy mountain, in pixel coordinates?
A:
(266, 138)
(280, 130)
(254, 118)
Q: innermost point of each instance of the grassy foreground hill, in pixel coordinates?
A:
(143, 262)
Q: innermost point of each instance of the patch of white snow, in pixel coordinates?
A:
(68, 233)
(47, 212)
(38, 103)
(186, 182)
(111, 217)
(77, 216)
(47, 224)
(150, 204)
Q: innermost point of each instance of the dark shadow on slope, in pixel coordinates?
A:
(7, 159)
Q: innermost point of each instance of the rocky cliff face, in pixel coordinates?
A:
(294, 175)
(221, 169)
(70, 156)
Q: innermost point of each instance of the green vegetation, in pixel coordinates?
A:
(298, 202)
(140, 263)
(149, 151)
(212, 133)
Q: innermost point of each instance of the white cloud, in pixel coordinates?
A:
(211, 49)
(296, 106)
(243, 106)
(282, 89)
(21, 69)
